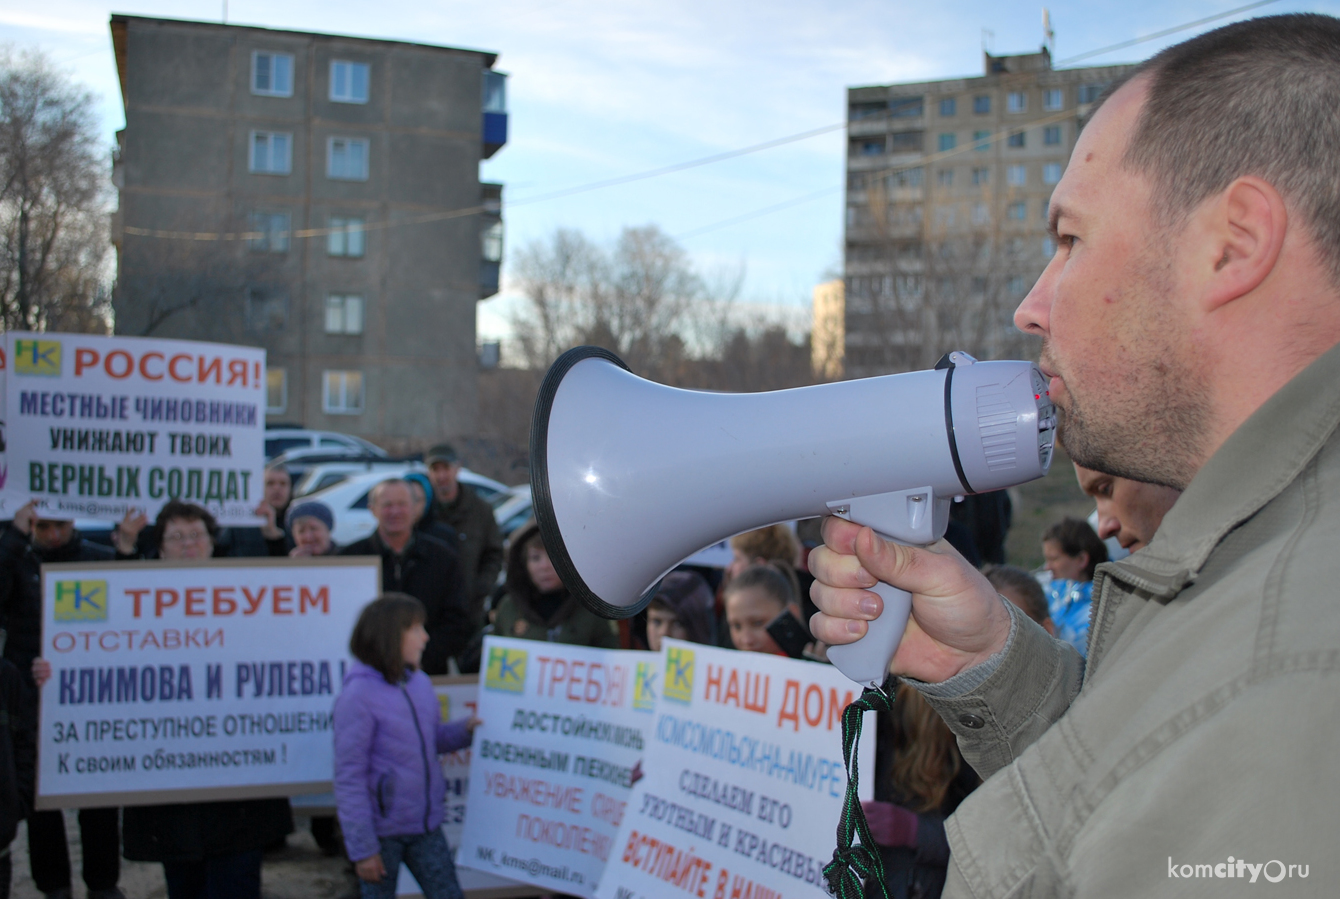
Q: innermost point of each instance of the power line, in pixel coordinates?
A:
(679, 167)
(1165, 32)
(794, 201)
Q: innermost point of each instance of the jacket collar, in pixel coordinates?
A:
(1254, 465)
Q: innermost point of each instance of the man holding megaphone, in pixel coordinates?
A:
(1190, 322)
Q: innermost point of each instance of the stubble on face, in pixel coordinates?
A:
(1140, 410)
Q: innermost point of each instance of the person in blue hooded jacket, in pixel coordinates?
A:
(389, 789)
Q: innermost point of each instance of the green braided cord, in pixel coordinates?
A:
(853, 865)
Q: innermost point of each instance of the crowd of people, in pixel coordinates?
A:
(443, 591)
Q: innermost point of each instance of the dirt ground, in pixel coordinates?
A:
(299, 871)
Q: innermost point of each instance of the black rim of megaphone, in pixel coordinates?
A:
(542, 498)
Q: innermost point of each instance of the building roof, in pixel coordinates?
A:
(120, 22)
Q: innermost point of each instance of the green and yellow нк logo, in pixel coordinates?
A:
(37, 357)
(506, 670)
(81, 601)
(679, 674)
(644, 687)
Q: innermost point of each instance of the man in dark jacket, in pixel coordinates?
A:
(27, 544)
(457, 505)
(422, 566)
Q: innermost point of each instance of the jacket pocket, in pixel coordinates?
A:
(385, 792)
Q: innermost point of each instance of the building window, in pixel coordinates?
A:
(348, 81)
(870, 147)
(981, 176)
(981, 214)
(981, 140)
(1048, 246)
(344, 314)
(981, 105)
(270, 232)
(271, 153)
(272, 74)
(1051, 135)
(948, 142)
(1016, 101)
(945, 177)
(345, 237)
(905, 108)
(1046, 209)
(1017, 211)
(856, 111)
(906, 178)
(1090, 92)
(492, 242)
(342, 392)
(905, 142)
(1051, 173)
(1016, 175)
(276, 390)
(266, 312)
(949, 107)
(1053, 99)
(1016, 139)
(347, 158)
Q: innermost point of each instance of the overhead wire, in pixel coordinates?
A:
(682, 166)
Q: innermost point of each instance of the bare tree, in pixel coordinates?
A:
(53, 200)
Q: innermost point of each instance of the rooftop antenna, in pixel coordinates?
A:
(988, 39)
(1048, 35)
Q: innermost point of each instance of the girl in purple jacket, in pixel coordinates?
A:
(388, 732)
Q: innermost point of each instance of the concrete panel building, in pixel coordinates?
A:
(948, 184)
(319, 196)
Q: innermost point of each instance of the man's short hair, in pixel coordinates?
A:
(1074, 536)
(380, 487)
(1253, 98)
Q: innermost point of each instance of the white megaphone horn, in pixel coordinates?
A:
(631, 477)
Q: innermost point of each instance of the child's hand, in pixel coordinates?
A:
(473, 723)
(370, 869)
(41, 671)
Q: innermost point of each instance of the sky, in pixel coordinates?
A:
(599, 89)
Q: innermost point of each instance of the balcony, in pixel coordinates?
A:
(494, 106)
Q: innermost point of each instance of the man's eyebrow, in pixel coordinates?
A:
(1054, 213)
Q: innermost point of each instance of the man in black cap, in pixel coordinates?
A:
(455, 504)
(28, 543)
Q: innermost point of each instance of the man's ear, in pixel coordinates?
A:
(1246, 227)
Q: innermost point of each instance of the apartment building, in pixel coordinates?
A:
(946, 213)
(316, 195)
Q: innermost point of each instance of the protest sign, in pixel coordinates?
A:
(459, 699)
(94, 426)
(744, 779)
(553, 761)
(210, 679)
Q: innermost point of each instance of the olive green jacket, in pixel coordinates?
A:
(572, 624)
(1206, 725)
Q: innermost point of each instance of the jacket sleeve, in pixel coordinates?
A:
(453, 735)
(448, 623)
(490, 555)
(13, 545)
(355, 729)
(997, 709)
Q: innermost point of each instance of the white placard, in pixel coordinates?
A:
(563, 728)
(176, 681)
(744, 779)
(96, 425)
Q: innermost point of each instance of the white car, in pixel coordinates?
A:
(281, 440)
(327, 474)
(348, 500)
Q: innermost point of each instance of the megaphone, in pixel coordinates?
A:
(631, 477)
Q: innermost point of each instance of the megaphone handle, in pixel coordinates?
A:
(867, 660)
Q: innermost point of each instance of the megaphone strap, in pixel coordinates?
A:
(854, 865)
